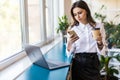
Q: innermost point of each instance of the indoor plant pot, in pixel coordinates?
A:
(63, 26)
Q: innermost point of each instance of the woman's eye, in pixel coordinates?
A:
(75, 14)
(79, 12)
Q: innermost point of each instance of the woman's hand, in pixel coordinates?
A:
(99, 42)
(99, 38)
(72, 39)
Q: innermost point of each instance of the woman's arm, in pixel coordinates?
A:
(101, 40)
(70, 43)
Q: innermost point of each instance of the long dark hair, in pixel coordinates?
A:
(82, 4)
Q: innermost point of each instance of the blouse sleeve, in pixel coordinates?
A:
(103, 34)
(68, 53)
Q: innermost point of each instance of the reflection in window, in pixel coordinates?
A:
(10, 30)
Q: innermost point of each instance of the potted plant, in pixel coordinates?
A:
(63, 25)
(108, 69)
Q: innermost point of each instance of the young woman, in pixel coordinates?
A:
(85, 63)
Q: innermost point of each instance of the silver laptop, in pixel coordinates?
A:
(36, 56)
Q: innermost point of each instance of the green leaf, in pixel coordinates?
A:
(63, 23)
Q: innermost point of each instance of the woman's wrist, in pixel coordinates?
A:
(69, 45)
(100, 44)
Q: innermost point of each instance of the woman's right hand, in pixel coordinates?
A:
(72, 39)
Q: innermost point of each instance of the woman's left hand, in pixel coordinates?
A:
(99, 38)
(99, 42)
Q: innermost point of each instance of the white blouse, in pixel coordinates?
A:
(86, 42)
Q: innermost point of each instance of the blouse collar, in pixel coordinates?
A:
(83, 26)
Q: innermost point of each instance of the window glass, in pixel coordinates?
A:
(56, 14)
(49, 18)
(10, 30)
(34, 21)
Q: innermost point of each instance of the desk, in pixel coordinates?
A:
(35, 72)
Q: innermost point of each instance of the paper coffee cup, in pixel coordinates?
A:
(96, 33)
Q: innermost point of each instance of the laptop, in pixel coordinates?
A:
(35, 55)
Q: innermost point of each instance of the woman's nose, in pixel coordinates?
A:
(78, 16)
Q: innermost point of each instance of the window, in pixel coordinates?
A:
(53, 9)
(10, 30)
(34, 21)
(26, 22)
(49, 18)
(56, 14)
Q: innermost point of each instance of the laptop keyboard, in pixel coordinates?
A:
(51, 64)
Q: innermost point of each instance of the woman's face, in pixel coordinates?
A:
(80, 15)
